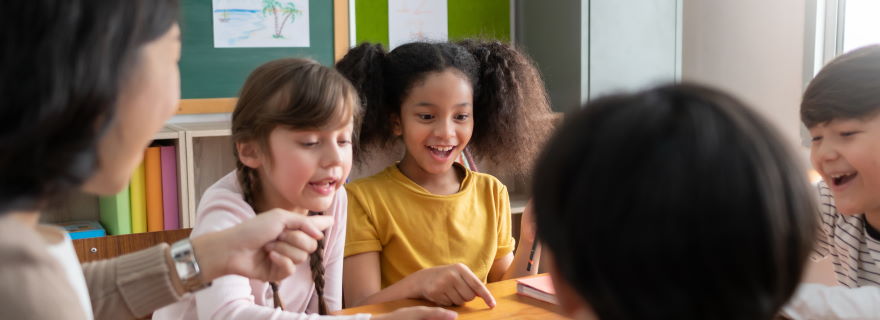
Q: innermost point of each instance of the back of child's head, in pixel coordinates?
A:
(296, 94)
(674, 203)
(846, 88)
(510, 102)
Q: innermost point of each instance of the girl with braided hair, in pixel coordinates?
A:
(427, 227)
(292, 130)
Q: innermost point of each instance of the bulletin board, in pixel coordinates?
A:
(466, 19)
(209, 72)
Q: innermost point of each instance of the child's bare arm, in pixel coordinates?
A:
(361, 278)
(445, 285)
(500, 267)
(528, 252)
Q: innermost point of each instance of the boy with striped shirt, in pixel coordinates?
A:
(840, 108)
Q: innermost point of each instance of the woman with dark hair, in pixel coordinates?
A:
(85, 85)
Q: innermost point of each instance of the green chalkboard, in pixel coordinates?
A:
(208, 72)
(466, 19)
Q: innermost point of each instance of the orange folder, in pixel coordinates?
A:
(153, 182)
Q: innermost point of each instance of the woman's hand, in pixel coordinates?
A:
(449, 285)
(418, 313)
(266, 247)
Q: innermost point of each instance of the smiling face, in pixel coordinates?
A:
(304, 168)
(436, 121)
(846, 153)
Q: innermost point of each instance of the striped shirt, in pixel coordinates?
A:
(856, 255)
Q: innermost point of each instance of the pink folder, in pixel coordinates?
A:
(170, 205)
(540, 287)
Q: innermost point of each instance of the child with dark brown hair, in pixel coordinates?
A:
(840, 108)
(427, 227)
(292, 128)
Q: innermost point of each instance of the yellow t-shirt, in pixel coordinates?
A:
(413, 229)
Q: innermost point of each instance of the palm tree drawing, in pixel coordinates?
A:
(286, 10)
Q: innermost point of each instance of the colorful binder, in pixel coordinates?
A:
(83, 229)
(153, 184)
(170, 203)
(138, 200)
(116, 212)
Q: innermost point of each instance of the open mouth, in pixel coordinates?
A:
(325, 186)
(842, 178)
(441, 152)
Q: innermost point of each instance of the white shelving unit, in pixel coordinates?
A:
(83, 206)
(208, 151)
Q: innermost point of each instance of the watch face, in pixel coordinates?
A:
(186, 265)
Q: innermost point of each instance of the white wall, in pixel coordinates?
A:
(633, 44)
(553, 32)
(753, 49)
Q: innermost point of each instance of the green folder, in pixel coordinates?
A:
(116, 213)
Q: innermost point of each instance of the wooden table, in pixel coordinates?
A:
(509, 305)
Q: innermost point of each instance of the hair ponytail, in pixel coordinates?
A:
(364, 66)
(511, 108)
(512, 116)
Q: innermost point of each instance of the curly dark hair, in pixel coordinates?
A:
(676, 202)
(61, 68)
(511, 108)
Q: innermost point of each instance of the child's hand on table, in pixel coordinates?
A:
(450, 285)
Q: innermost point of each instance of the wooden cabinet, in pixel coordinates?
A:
(111, 246)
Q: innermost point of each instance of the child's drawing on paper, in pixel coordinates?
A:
(416, 20)
(261, 23)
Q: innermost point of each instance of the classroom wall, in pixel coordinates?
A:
(589, 48)
(634, 44)
(753, 49)
(555, 35)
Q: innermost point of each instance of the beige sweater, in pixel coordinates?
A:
(33, 284)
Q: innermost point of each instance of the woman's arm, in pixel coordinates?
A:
(133, 285)
(136, 284)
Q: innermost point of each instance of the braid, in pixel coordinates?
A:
(247, 180)
(316, 262)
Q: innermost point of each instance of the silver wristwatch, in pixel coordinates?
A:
(186, 265)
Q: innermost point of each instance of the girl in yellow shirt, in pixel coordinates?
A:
(427, 227)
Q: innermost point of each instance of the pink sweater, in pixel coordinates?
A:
(237, 297)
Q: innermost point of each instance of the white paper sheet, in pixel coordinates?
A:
(261, 23)
(417, 20)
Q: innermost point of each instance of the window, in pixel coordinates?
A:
(861, 24)
(839, 26)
